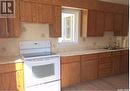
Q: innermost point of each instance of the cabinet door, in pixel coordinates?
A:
(74, 73)
(25, 12)
(91, 23)
(99, 23)
(118, 24)
(89, 70)
(125, 25)
(34, 8)
(55, 28)
(70, 74)
(45, 13)
(65, 72)
(109, 22)
(105, 66)
(3, 27)
(124, 66)
(12, 81)
(116, 59)
(14, 23)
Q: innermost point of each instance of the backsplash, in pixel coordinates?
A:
(31, 32)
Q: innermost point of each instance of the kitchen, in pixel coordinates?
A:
(103, 26)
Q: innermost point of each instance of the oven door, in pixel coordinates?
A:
(41, 70)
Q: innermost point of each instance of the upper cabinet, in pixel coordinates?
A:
(109, 22)
(35, 13)
(55, 28)
(118, 24)
(92, 23)
(9, 27)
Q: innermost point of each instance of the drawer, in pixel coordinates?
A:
(89, 57)
(117, 53)
(105, 54)
(70, 59)
(10, 67)
(105, 60)
(105, 66)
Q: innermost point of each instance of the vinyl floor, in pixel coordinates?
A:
(113, 83)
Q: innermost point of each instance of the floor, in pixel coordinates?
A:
(113, 83)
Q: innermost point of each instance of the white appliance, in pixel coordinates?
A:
(41, 67)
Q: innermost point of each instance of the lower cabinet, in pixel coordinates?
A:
(105, 64)
(11, 77)
(70, 71)
(89, 67)
(124, 64)
(116, 59)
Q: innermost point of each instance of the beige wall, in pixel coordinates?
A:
(10, 46)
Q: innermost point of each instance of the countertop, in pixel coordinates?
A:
(17, 59)
(10, 59)
(89, 51)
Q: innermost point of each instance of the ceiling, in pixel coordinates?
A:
(125, 2)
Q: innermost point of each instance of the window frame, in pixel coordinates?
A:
(75, 39)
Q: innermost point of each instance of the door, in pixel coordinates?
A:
(11, 81)
(109, 22)
(116, 59)
(91, 31)
(70, 74)
(25, 12)
(99, 23)
(118, 24)
(89, 69)
(3, 27)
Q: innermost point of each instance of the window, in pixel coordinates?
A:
(70, 26)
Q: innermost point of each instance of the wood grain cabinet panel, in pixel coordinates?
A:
(100, 23)
(118, 24)
(70, 72)
(116, 60)
(25, 12)
(125, 25)
(93, 23)
(124, 66)
(12, 79)
(55, 27)
(91, 30)
(10, 27)
(3, 27)
(89, 70)
(89, 67)
(109, 22)
(105, 65)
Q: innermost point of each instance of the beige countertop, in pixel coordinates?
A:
(92, 51)
(10, 59)
(17, 59)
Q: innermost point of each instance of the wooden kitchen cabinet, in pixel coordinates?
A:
(10, 27)
(116, 60)
(118, 24)
(125, 25)
(93, 23)
(109, 22)
(124, 66)
(25, 12)
(3, 27)
(55, 27)
(89, 67)
(105, 64)
(11, 77)
(70, 71)
(35, 12)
